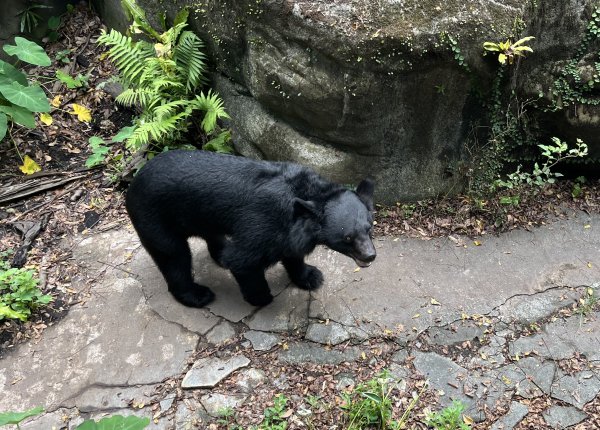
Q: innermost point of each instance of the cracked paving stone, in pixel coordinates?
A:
(515, 414)
(190, 415)
(448, 377)
(576, 390)
(97, 398)
(167, 402)
(221, 333)
(249, 379)
(563, 339)
(287, 313)
(530, 377)
(305, 352)
(534, 307)
(215, 403)
(261, 341)
(327, 334)
(208, 372)
(456, 333)
(560, 417)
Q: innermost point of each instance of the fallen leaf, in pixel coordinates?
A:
(477, 243)
(435, 302)
(357, 269)
(83, 113)
(29, 166)
(468, 420)
(56, 101)
(45, 118)
(416, 316)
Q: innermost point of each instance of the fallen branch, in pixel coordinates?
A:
(35, 185)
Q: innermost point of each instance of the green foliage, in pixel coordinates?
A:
(99, 152)
(508, 50)
(19, 293)
(449, 418)
(274, 419)
(19, 99)
(116, 422)
(541, 175)
(72, 82)
(15, 418)
(29, 18)
(587, 303)
(574, 86)
(370, 404)
(456, 52)
(163, 79)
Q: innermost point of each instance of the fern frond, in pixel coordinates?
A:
(158, 130)
(170, 36)
(169, 109)
(141, 97)
(212, 104)
(127, 55)
(190, 60)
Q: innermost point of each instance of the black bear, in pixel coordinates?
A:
(251, 214)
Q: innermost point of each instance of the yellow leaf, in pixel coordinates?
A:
(502, 58)
(285, 346)
(56, 101)
(590, 291)
(83, 113)
(29, 166)
(363, 355)
(435, 302)
(477, 243)
(468, 420)
(357, 269)
(589, 265)
(587, 226)
(416, 316)
(45, 118)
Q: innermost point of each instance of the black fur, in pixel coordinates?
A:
(251, 214)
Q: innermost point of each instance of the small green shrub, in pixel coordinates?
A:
(19, 293)
(163, 78)
(370, 404)
(554, 153)
(508, 50)
(449, 418)
(274, 415)
(20, 99)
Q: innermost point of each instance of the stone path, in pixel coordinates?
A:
(484, 324)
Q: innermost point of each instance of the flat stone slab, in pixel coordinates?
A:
(514, 415)
(216, 403)
(577, 389)
(261, 341)
(310, 353)
(560, 417)
(208, 372)
(330, 333)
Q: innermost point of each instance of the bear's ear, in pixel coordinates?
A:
(305, 208)
(365, 192)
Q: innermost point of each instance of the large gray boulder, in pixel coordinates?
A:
(355, 88)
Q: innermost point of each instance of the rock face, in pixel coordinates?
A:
(355, 88)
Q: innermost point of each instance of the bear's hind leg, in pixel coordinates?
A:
(215, 245)
(174, 259)
(305, 276)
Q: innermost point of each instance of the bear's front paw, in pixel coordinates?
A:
(197, 297)
(310, 279)
(259, 300)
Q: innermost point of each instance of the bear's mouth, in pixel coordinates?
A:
(360, 263)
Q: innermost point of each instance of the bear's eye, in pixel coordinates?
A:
(348, 239)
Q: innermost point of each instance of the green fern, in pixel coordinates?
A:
(128, 56)
(190, 60)
(163, 79)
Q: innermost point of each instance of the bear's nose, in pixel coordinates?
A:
(370, 257)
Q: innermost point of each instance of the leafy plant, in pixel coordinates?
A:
(449, 418)
(116, 422)
(370, 404)
(508, 50)
(72, 82)
(163, 78)
(19, 99)
(29, 18)
(553, 154)
(15, 418)
(274, 415)
(19, 294)
(588, 302)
